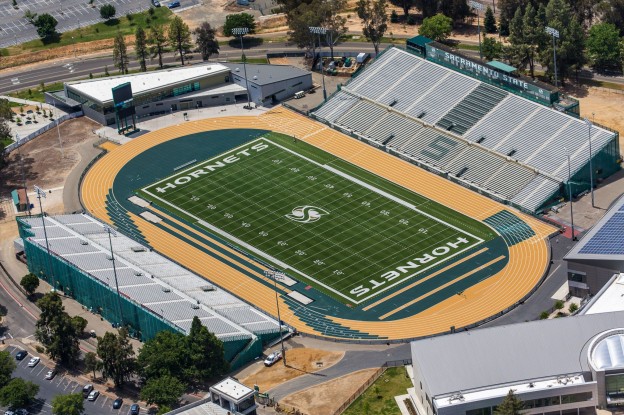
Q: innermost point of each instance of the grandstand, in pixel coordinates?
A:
(155, 292)
(513, 149)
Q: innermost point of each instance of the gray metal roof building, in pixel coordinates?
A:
(554, 366)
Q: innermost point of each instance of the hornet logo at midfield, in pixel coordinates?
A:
(306, 214)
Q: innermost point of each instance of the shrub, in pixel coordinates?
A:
(573, 307)
(411, 20)
(394, 17)
(544, 315)
(559, 305)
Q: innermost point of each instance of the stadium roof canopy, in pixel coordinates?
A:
(101, 89)
(147, 278)
(260, 74)
(506, 354)
(605, 240)
(502, 66)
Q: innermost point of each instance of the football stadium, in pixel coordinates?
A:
(406, 205)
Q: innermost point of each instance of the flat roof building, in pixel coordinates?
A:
(562, 366)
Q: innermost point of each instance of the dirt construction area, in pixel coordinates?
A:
(300, 362)
(604, 106)
(46, 165)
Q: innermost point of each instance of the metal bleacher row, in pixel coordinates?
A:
(504, 144)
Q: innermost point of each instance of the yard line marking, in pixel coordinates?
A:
(429, 293)
(428, 277)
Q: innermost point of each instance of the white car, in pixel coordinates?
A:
(93, 395)
(272, 358)
(17, 412)
(34, 361)
(50, 375)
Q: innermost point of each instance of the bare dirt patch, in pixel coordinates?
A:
(43, 163)
(300, 362)
(327, 397)
(604, 107)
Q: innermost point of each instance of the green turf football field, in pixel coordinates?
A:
(343, 230)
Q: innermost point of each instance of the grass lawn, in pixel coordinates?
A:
(378, 399)
(99, 31)
(5, 142)
(36, 94)
(340, 228)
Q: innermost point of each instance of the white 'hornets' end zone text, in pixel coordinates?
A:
(410, 265)
(212, 166)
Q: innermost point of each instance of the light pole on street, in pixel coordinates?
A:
(320, 31)
(555, 35)
(570, 193)
(478, 7)
(591, 169)
(240, 32)
(42, 194)
(275, 275)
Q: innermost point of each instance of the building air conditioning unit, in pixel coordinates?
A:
(195, 306)
(207, 288)
(166, 289)
(138, 273)
(138, 249)
(84, 243)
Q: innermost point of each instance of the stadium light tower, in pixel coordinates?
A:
(320, 31)
(240, 32)
(110, 231)
(591, 169)
(275, 275)
(570, 193)
(42, 194)
(478, 7)
(555, 35)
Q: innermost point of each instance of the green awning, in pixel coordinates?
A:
(502, 66)
(15, 197)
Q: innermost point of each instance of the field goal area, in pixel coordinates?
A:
(341, 229)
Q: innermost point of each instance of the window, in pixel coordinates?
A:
(576, 397)
(480, 411)
(159, 104)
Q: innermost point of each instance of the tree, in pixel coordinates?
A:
(206, 41)
(163, 355)
(334, 23)
(140, 48)
(72, 404)
(79, 323)
(300, 20)
(107, 11)
(206, 354)
(491, 48)
(18, 393)
(46, 27)
(428, 8)
(503, 26)
(489, 21)
(374, 20)
(157, 41)
(92, 363)
(239, 20)
(406, 5)
(603, 46)
(30, 282)
(612, 11)
(510, 405)
(56, 331)
(7, 366)
(120, 53)
(5, 109)
(438, 27)
(30, 16)
(118, 361)
(164, 390)
(180, 37)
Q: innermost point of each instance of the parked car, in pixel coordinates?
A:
(134, 409)
(21, 355)
(50, 375)
(34, 361)
(93, 395)
(272, 358)
(156, 3)
(86, 390)
(174, 4)
(117, 403)
(16, 412)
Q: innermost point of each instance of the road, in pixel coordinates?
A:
(80, 68)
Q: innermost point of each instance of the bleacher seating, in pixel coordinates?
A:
(472, 108)
(529, 138)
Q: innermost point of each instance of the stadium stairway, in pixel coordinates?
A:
(121, 220)
(322, 324)
(472, 108)
(513, 229)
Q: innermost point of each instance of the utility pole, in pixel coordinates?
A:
(240, 32)
(570, 195)
(555, 35)
(110, 231)
(318, 31)
(478, 7)
(591, 169)
(42, 194)
(274, 275)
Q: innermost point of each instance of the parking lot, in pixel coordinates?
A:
(62, 385)
(70, 14)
